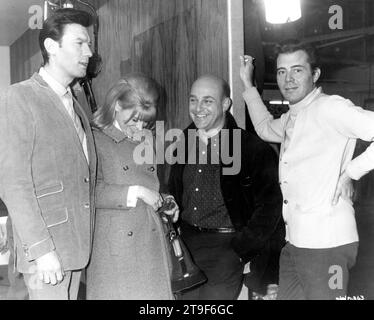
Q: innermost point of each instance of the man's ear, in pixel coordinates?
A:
(316, 74)
(51, 46)
(226, 104)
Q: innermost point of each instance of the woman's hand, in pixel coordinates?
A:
(150, 197)
(174, 211)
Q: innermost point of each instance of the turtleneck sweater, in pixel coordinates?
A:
(318, 137)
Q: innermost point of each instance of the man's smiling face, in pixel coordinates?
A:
(207, 103)
(295, 77)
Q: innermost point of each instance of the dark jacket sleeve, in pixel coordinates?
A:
(175, 183)
(266, 202)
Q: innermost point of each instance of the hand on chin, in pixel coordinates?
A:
(134, 133)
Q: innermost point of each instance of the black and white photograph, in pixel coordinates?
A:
(188, 155)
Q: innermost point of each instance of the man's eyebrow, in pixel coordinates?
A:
(205, 97)
(294, 66)
(84, 39)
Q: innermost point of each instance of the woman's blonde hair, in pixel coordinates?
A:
(134, 90)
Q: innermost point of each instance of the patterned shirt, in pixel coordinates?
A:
(203, 202)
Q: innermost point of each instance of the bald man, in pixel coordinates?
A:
(229, 197)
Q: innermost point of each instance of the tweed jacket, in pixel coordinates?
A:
(252, 197)
(45, 179)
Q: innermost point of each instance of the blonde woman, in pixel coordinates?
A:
(130, 258)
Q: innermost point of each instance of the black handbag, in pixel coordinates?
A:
(185, 274)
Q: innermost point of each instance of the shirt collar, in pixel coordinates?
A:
(205, 135)
(57, 87)
(116, 124)
(295, 108)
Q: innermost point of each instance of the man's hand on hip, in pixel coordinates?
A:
(344, 189)
(49, 268)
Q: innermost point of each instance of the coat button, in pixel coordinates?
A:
(130, 234)
(285, 201)
(152, 169)
(126, 168)
(86, 180)
(87, 206)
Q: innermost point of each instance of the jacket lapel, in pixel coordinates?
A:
(59, 106)
(87, 129)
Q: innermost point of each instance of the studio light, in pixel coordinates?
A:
(52, 5)
(282, 11)
(68, 4)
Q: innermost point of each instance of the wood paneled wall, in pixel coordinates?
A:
(172, 41)
(25, 56)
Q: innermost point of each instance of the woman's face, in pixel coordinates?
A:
(134, 120)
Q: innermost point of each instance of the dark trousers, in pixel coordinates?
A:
(213, 254)
(315, 274)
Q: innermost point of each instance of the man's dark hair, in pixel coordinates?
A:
(226, 89)
(290, 46)
(54, 26)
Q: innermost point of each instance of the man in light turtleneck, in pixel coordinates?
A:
(318, 136)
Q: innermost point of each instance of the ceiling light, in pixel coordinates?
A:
(68, 4)
(282, 11)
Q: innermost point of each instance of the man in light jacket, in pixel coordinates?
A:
(48, 163)
(318, 136)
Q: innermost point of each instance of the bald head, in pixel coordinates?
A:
(209, 100)
(212, 80)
